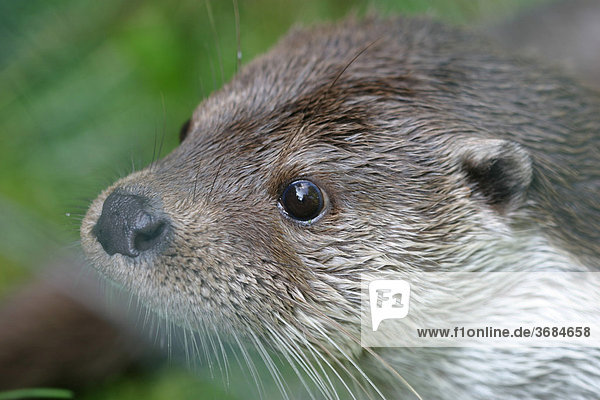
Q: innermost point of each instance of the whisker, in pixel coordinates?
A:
(319, 102)
(211, 19)
(132, 164)
(185, 344)
(213, 74)
(250, 364)
(310, 346)
(308, 366)
(351, 361)
(164, 132)
(195, 348)
(352, 62)
(209, 352)
(196, 182)
(368, 349)
(212, 186)
(273, 370)
(213, 347)
(238, 56)
(238, 361)
(168, 332)
(224, 369)
(289, 354)
(350, 336)
(154, 147)
(317, 355)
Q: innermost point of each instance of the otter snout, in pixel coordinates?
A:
(130, 225)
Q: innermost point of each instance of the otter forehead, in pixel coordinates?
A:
(314, 93)
(320, 85)
(318, 71)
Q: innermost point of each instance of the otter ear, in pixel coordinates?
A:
(499, 170)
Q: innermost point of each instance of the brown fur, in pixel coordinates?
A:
(411, 104)
(432, 148)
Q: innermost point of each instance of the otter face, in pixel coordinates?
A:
(304, 172)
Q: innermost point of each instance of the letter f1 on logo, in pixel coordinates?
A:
(389, 299)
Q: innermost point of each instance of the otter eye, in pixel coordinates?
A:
(183, 132)
(302, 200)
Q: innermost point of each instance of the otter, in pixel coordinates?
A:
(355, 147)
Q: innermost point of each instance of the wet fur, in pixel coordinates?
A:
(437, 153)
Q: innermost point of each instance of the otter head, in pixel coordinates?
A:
(337, 153)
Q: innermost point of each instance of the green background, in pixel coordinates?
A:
(86, 89)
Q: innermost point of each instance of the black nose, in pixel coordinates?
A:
(129, 225)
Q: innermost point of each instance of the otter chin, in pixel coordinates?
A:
(356, 147)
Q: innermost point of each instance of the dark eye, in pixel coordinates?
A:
(183, 132)
(302, 200)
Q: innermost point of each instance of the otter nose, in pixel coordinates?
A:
(129, 225)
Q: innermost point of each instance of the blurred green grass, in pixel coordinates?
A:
(88, 87)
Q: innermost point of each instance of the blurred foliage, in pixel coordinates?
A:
(41, 393)
(172, 383)
(89, 89)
